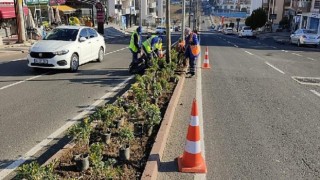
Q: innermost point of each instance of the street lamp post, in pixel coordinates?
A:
(168, 43)
(183, 18)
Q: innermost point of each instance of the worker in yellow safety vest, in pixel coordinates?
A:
(135, 43)
(150, 45)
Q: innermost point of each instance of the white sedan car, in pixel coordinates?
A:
(67, 47)
(305, 36)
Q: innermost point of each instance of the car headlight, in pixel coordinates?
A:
(62, 52)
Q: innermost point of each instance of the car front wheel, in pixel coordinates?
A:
(74, 63)
(101, 54)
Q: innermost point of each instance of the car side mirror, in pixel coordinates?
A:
(82, 39)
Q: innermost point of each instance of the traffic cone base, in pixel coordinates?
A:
(201, 168)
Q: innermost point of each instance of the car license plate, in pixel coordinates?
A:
(41, 61)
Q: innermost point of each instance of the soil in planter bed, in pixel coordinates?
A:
(132, 169)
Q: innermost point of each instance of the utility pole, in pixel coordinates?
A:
(168, 43)
(183, 18)
(140, 12)
(190, 2)
(21, 28)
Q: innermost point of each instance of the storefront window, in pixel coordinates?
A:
(314, 23)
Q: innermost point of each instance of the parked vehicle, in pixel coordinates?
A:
(67, 47)
(228, 30)
(305, 37)
(161, 30)
(246, 31)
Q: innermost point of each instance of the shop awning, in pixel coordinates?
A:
(8, 12)
(65, 9)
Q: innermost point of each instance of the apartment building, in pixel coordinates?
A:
(311, 19)
(127, 12)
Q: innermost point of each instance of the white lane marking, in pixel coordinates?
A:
(248, 52)
(7, 170)
(284, 51)
(12, 61)
(19, 82)
(296, 54)
(236, 46)
(17, 60)
(199, 100)
(274, 67)
(315, 92)
(116, 51)
(311, 59)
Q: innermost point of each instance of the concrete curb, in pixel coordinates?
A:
(151, 170)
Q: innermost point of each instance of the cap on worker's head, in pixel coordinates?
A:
(187, 31)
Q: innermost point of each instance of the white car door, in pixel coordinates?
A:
(96, 44)
(295, 36)
(85, 47)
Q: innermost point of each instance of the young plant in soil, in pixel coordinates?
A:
(95, 156)
(157, 91)
(36, 172)
(125, 135)
(153, 117)
(81, 132)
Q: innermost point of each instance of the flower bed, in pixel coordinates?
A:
(115, 141)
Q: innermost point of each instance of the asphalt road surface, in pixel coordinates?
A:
(37, 106)
(259, 122)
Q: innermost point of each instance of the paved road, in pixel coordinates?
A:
(36, 104)
(259, 123)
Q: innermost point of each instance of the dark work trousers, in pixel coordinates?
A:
(134, 56)
(192, 61)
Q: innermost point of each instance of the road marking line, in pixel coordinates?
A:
(248, 52)
(311, 59)
(274, 67)
(236, 46)
(199, 99)
(296, 54)
(19, 82)
(116, 51)
(29, 155)
(284, 51)
(315, 92)
(16, 60)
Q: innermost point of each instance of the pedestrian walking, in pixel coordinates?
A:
(192, 48)
(135, 44)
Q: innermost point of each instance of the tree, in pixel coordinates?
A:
(257, 19)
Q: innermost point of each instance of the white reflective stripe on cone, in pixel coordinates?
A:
(193, 147)
(206, 60)
(194, 121)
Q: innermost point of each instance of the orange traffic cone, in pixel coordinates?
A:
(192, 160)
(206, 64)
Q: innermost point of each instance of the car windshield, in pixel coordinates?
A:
(309, 31)
(246, 28)
(62, 34)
